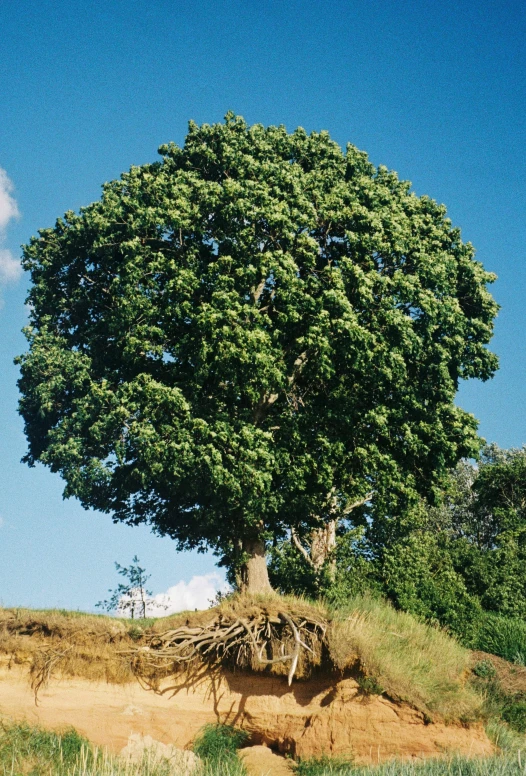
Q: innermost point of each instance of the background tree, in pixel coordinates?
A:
(252, 335)
(489, 550)
(131, 598)
(461, 563)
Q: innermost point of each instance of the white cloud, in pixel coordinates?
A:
(8, 206)
(196, 594)
(10, 269)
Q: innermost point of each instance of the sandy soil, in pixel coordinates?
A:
(311, 718)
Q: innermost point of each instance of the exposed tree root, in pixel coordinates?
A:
(44, 662)
(251, 642)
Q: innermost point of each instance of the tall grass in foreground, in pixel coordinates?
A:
(27, 750)
(491, 766)
(217, 747)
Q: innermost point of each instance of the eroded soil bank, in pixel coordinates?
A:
(311, 718)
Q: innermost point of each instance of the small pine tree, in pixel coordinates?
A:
(130, 598)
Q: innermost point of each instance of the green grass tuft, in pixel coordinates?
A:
(502, 636)
(217, 747)
(328, 766)
(27, 750)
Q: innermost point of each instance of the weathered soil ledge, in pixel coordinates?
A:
(313, 717)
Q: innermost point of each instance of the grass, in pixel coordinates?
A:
(503, 687)
(218, 741)
(502, 636)
(31, 751)
(386, 650)
(404, 658)
(27, 750)
(84, 645)
(503, 765)
(217, 747)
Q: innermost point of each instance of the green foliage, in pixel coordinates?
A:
(515, 716)
(217, 746)
(253, 326)
(289, 572)
(355, 572)
(216, 742)
(419, 577)
(484, 669)
(460, 563)
(504, 700)
(502, 636)
(369, 685)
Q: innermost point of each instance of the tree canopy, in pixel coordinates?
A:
(251, 334)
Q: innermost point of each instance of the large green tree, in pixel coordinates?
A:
(250, 335)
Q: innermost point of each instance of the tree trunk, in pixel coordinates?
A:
(323, 544)
(254, 572)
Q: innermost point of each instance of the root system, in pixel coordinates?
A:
(256, 642)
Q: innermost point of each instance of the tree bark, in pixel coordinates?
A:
(323, 544)
(254, 572)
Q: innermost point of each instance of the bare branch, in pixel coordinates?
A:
(299, 546)
(256, 292)
(298, 366)
(349, 508)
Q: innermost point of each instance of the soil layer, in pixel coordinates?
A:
(312, 718)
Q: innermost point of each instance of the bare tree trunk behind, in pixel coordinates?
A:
(322, 546)
(254, 572)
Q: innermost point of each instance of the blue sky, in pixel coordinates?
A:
(436, 91)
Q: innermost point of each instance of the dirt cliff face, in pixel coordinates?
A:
(311, 718)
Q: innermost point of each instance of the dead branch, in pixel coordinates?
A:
(299, 546)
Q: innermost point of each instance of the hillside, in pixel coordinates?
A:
(371, 682)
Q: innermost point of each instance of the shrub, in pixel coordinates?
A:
(419, 577)
(515, 716)
(484, 669)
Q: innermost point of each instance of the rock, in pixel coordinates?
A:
(262, 761)
(140, 748)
